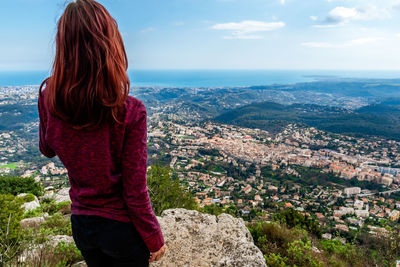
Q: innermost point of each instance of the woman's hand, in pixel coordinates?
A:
(155, 256)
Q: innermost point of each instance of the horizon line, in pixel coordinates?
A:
(217, 69)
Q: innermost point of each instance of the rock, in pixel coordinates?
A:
(197, 239)
(35, 251)
(30, 205)
(54, 240)
(327, 236)
(62, 195)
(32, 222)
(79, 264)
(316, 250)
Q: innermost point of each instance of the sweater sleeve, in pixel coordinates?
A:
(43, 146)
(134, 177)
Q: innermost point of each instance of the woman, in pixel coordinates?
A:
(88, 120)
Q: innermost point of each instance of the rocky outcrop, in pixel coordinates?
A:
(197, 239)
(54, 240)
(192, 239)
(32, 222)
(62, 195)
(27, 206)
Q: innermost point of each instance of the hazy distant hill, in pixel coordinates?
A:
(379, 120)
(14, 116)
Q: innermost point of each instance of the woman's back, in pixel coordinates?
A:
(106, 167)
(98, 131)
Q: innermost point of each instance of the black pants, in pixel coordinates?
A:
(105, 242)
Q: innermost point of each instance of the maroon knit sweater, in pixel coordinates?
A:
(106, 167)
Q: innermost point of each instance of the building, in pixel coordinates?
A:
(394, 215)
(358, 204)
(352, 191)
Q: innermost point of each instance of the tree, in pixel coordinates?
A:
(293, 218)
(15, 185)
(165, 192)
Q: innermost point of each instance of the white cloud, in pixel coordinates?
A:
(342, 15)
(149, 29)
(283, 2)
(314, 18)
(355, 42)
(248, 29)
(398, 35)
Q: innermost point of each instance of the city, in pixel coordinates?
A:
(346, 183)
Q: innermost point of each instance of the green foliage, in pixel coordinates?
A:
(212, 209)
(217, 210)
(26, 198)
(51, 207)
(165, 192)
(56, 225)
(379, 120)
(10, 206)
(346, 251)
(273, 237)
(293, 218)
(10, 216)
(283, 246)
(16, 185)
(62, 255)
(66, 254)
(48, 206)
(300, 254)
(275, 260)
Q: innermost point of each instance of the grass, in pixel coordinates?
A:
(10, 165)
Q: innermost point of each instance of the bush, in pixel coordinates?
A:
(10, 207)
(165, 192)
(62, 255)
(56, 225)
(10, 216)
(275, 260)
(273, 237)
(48, 206)
(65, 254)
(300, 254)
(293, 218)
(16, 185)
(346, 251)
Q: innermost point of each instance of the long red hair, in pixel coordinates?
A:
(88, 83)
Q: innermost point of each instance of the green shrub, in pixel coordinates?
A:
(300, 254)
(346, 251)
(34, 213)
(216, 209)
(28, 198)
(273, 237)
(47, 206)
(66, 254)
(62, 255)
(293, 218)
(165, 192)
(275, 260)
(10, 216)
(15, 185)
(56, 225)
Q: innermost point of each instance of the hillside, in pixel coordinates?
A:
(379, 120)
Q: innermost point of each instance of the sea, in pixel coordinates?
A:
(210, 78)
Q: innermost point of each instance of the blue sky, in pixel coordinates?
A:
(220, 34)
